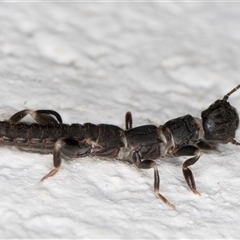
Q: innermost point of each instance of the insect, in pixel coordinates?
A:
(182, 136)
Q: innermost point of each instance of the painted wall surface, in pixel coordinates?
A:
(93, 62)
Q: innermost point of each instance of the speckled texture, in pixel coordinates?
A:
(92, 62)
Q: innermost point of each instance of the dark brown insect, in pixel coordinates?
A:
(183, 136)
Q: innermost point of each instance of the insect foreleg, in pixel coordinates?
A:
(67, 148)
(187, 173)
(43, 117)
(147, 164)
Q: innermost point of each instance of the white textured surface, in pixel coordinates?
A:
(92, 62)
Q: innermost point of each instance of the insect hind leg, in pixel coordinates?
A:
(67, 148)
(43, 117)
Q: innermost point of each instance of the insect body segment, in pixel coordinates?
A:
(182, 136)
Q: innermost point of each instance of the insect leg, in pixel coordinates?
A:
(40, 116)
(109, 152)
(128, 120)
(188, 175)
(205, 146)
(147, 164)
(19, 116)
(45, 117)
(67, 148)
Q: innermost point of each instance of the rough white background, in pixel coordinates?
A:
(92, 62)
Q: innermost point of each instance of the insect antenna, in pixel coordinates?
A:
(231, 92)
(235, 142)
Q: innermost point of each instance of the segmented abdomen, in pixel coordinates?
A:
(36, 135)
